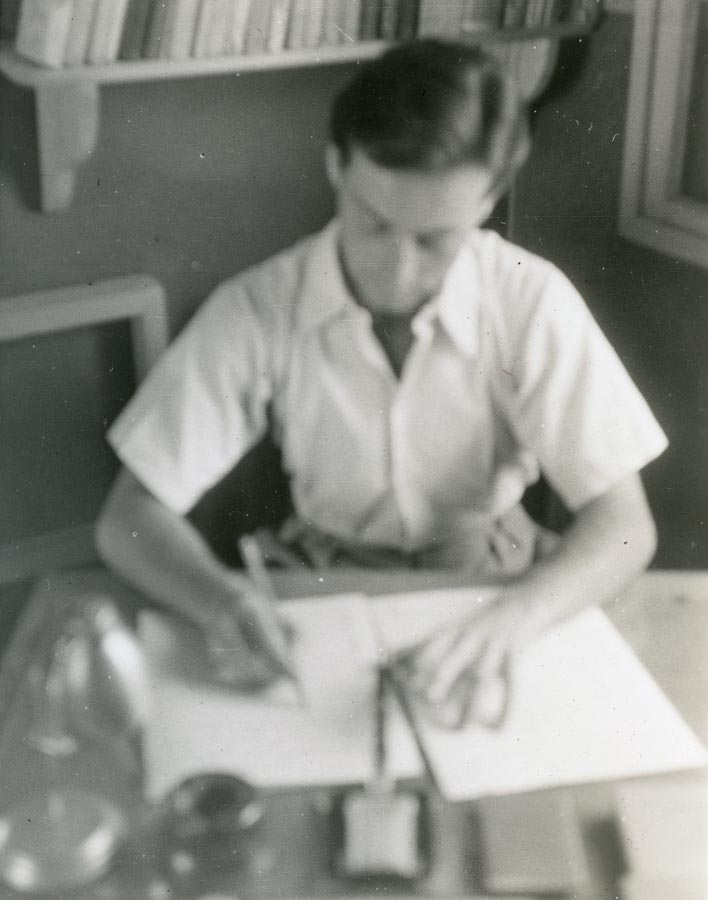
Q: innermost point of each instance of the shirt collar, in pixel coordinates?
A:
(456, 307)
(325, 295)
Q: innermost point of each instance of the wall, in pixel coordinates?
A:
(695, 175)
(192, 180)
(653, 308)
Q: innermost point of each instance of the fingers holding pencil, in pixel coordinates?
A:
(265, 633)
(262, 625)
(235, 660)
(250, 644)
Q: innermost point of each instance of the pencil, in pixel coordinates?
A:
(400, 691)
(256, 568)
(380, 730)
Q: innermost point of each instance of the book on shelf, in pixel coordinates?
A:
(440, 18)
(312, 33)
(534, 14)
(306, 26)
(295, 38)
(388, 22)
(278, 25)
(351, 21)
(369, 20)
(201, 28)
(407, 20)
(514, 14)
(134, 29)
(565, 11)
(481, 15)
(43, 30)
(542, 14)
(106, 31)
(9, 15)
(160, 49)
(155, 29)
(236, 34)
(551, 14)
(331, 22)
(115, 30)
(77, 43)
(178, 29)
(58, 33)
(584, 12)
(257, 27)
(219, 28)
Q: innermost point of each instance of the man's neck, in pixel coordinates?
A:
(393, 330)
(395, 336)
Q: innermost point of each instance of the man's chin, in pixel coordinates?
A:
(398, 306)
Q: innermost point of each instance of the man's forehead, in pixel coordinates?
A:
(419, 200)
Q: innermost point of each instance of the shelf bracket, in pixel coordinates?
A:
(67, 128)
(68, 106)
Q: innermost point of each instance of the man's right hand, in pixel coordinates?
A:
(163, 555)
(247, 648)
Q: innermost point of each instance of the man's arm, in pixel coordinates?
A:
(164, 556)
(611, 540)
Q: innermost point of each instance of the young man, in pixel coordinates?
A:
(418, 373)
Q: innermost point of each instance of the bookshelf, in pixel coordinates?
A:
(67, 100)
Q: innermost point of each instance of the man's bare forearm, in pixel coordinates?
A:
(611, 541)
(163, 555)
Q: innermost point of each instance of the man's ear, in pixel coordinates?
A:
(488, 207)
(489, 203)
(334, 165)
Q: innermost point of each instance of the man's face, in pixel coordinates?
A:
(401, 229)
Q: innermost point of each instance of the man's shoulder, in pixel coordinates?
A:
(274, 283)
(525, 297)
(519, 281)
(502, 259)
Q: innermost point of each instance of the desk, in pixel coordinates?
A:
(664, 616)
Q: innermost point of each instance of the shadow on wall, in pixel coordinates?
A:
(191, 181)
(653, 308)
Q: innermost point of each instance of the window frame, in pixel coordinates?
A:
(654, 211)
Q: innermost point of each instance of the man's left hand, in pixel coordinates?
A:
(461, 674)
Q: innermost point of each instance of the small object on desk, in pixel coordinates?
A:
(473, 699)
(533, 842)
(571, 721)
(209, 821)
(65, 836)
(57, 840)
(383, 826)
(256, 568)
(664, 833)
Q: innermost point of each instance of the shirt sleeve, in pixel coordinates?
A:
(202, 406)
(575, 405)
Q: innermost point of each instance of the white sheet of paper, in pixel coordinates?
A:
(196, 726)
(584, 708)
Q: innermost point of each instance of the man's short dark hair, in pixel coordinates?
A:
(432, 105)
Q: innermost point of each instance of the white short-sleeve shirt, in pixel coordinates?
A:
(508, 375)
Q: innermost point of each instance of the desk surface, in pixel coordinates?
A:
(664, 617)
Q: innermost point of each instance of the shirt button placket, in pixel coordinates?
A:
(408, 502)
(396, 455)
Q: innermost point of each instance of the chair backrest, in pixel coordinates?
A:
(70, 358)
